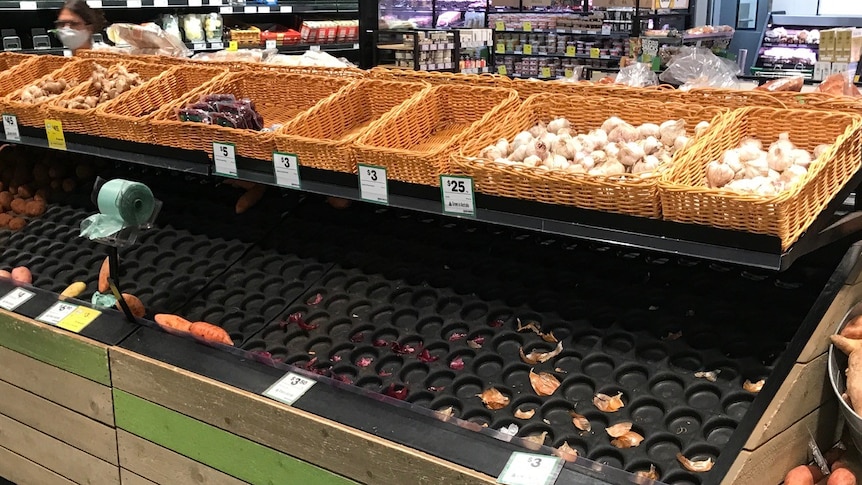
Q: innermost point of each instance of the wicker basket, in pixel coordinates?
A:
(28, 71)
(348, 72)
(631, 195)
(322, 136)
(414, 142)
(33, 115)
(685, 197)
(277, 97)
(729, 98)
(437, 78)
(128, 116)
(84, 121)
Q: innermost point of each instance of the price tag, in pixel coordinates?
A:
(79, 319)
(15, 298)
(195, 3)
(289, 388)
(28, 6)
(314, 48)
(530, 469)
(94, 3)
(249, 9)
(528, 49)
(198, 46)
(499, 25)
(160, 3)
(372, 184)
(270, 44)
(133, 3)
(263, 9)
(570, 50)
(569, 73)
(10, 127)
(216, 45)
(285, 8)
(527, 26)
(594, 53)
(501, 70)
(500, 48)
(606, 29)
(458, 195)
(57, 312)
(224, 157)
(54, 132)
(546, 71)
(227, 9)
(214, 3)
(286, 166)
(232, 45)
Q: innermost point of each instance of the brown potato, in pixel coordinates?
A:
(4, 219)
(6, 200)
(25, 191)
(17, 223)
(35, 208)
(68, 185)
(19, 206)
(41, 194)
(22, 274)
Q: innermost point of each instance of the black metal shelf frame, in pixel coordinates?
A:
(839, 220)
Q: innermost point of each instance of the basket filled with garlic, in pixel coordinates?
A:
(414, 141)
(601, 154)
(764, 170)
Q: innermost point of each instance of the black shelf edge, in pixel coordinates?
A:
(691, 240)
(293, 48)
(591, 33)
(222, 5)
(576, 56)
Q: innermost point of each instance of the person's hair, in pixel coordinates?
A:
(90, 16)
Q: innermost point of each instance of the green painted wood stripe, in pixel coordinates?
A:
(231, 454)
(54, 348)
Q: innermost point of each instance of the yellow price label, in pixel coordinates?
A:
(501, 70)
(527, 26)
(528, 49)
(500, 25)
(570, 50)
(546, 72)
(79, 319)
(569, 73)
(232, 45)
(501, 48)
(54, 132)
(594, 53)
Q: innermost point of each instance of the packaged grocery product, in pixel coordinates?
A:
(214, 27)
(193, 27)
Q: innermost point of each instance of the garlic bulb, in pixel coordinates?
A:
(701, 128)
(519, 154)
(600, 139)
(539, 149)
(520, 139)
(623, 133)
(647, 130)
(671, 130)
(538, 130)
(613, 150)
(820, 150)
(773, 175)
(556, 162)
(611, 123)
(599, 157)
(779, 155)
(733, 160)
(613, 167)
(576, 168)
(532, 161)
(631, 153)
(743, 185)
(679, 143)
(503, 145)
(651, 145)
(558, 124)
(504, 161)
(718, 174)
(793, 174)
(756, 168)
(800, 158)
(749, 151)
(649, 164)
(588, 163)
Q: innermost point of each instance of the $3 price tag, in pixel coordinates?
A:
(530, 469)
(289, 388)
(372, 184)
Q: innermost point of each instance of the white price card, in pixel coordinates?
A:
(225, 10)
(270, 44)
(196, 3)
(56, 313)
(94, 3)
(289, 388)
(10, 127)
(28, 5)
(372, 184)
(458, 197)
(15, 298)
(199, 46)
(214, 3)
(217, 45)
(160, 3)
(133, 3)
(224, 157)
(530, 469)
(286, 166)
(249, 9)
(606, 29)
(285, 8)
(314, 48)
(263, 9)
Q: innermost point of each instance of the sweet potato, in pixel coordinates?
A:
(172, 322)
(251, 197)
(4, 219)
(17, 223)
(41, 194)
(338, 203)
(104, 274)
(5, 274)
(853, 329)
(22, 275)
(793, 83)
(74, 290)
(210, 333)
(135, 305)
(841, 476)
(803, 475)
(854, 368)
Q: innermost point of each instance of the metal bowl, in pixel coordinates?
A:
(837, 364)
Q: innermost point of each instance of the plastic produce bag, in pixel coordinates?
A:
(697, 67)
(147, 39)
(637, 75)
(242, 55)
(839, 84)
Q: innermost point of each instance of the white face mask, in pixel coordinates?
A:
(71, 38)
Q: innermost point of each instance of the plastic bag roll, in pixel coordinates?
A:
(122, 203)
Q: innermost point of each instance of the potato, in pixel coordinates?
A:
(25, 191)
(22, 275)
(19, 205)
(74, 290)
(5, 274)
(803, 475)
(35, 208)
(4, 219)
(17, 223)
(6, 200)
(135, 305)
(41, 194)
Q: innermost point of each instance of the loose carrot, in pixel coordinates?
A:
(172, 322)
(210, 333)
(104, 274)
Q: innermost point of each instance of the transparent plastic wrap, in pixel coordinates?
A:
(637, 75)
(697, 67)
(242, 55)
(147, 38)
(839, 84)
(309, 59)
(790, 83)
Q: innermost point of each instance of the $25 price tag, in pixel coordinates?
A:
(530, 469)
(289, 388)
(458, 196)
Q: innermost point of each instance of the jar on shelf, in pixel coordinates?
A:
(193, 27)
(214, 27)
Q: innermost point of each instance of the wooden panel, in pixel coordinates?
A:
(211, 446)
(768, 463)
(68, 426)
(55, 455)
(55, 346)
(804, 390)
(22, 471)
(819, 341)
(69, 390)
(268, 422)
(163, 466)
(129, 478)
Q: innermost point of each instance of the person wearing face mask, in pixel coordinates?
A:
(77, 23)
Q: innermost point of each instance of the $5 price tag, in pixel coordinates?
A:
(458, 196)
(530, 469)
(224, 157)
